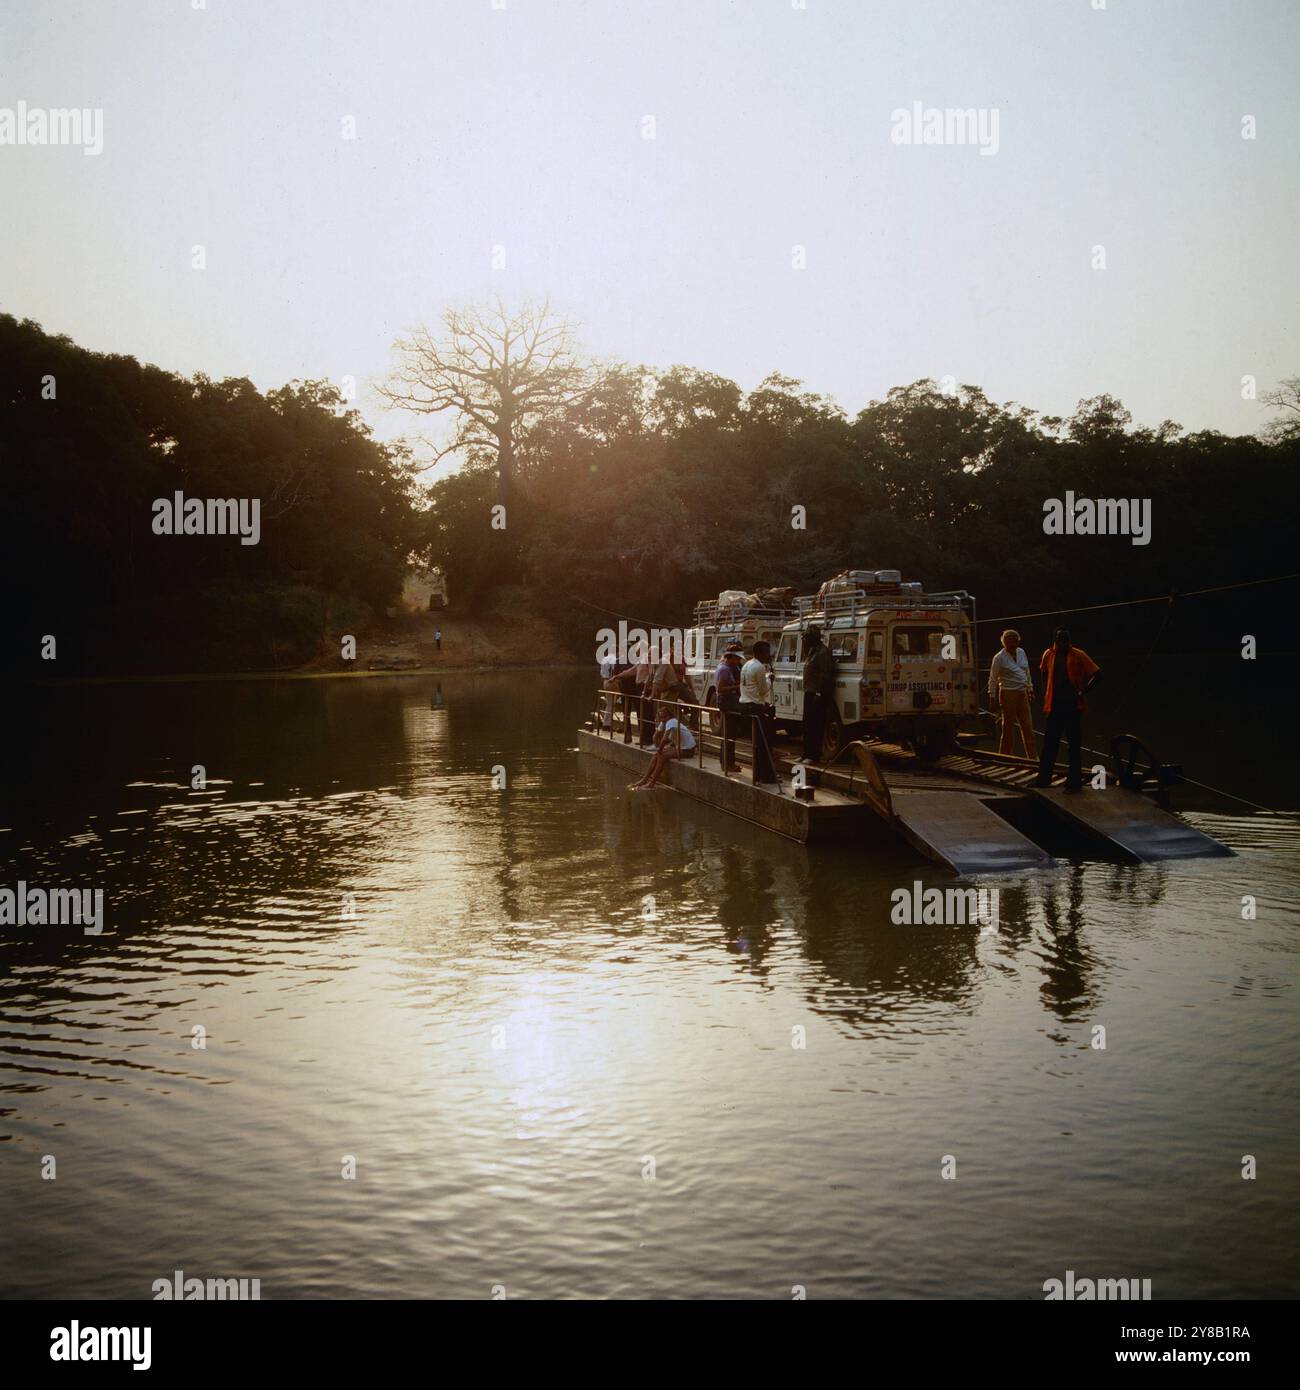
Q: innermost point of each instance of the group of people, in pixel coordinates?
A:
(1068, 674)
(743, 692)
(744, 700)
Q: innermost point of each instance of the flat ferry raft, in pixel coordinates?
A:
(968, 811)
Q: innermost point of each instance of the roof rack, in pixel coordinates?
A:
(848, 603)
(709, 612)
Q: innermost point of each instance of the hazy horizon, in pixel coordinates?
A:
(518, 132)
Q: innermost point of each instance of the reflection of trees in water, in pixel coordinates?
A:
(197, 859)
(523, 724)
(880, 970)
(741, 888)
(748, 906)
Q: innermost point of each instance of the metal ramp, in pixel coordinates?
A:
(1129, 824)
(960, 832)
(1126, 823)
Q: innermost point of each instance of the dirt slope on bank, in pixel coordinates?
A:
(507, 632)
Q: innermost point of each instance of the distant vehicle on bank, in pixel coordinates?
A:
(424, 590)
(906, 662)
(437, 589)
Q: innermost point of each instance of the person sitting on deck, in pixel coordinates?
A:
(672, 740)
(1068, 674)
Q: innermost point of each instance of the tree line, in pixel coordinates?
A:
(91, 441)
(621, 490)
(658, 488)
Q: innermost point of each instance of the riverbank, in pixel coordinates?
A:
(504, 630)
(209, 677)
(506, 633)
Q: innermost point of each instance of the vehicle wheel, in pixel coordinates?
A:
(832, 736)
(929, 744)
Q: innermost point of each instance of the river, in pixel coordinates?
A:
(577, 1043)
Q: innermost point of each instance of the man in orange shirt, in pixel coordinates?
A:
(1068, 674)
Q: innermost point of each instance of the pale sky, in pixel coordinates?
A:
(522, 127)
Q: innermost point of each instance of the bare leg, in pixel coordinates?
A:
(651, 775)
(659, 764)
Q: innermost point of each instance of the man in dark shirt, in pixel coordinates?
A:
(818, 691)
(727, 684)
(1069, 673)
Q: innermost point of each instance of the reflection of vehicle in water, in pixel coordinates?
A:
(734, 616)
(905, 661)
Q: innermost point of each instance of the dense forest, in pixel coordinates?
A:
(665, 487)
(640, 495)
(90, 441)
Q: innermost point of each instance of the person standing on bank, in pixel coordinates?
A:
(1068, 674)
(726, 681)
(437, 638)
(818, 691)
(1011, 691)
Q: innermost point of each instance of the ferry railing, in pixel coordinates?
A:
(613, 701)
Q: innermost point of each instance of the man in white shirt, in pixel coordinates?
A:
(755, 700)
(756, 679)
(1011, 691)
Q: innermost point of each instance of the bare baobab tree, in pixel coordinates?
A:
(1286, 398)
(498, 371)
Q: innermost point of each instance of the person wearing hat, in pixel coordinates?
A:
(818, 691)
(726, 681)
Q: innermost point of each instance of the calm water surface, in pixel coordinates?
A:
(532, 994)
